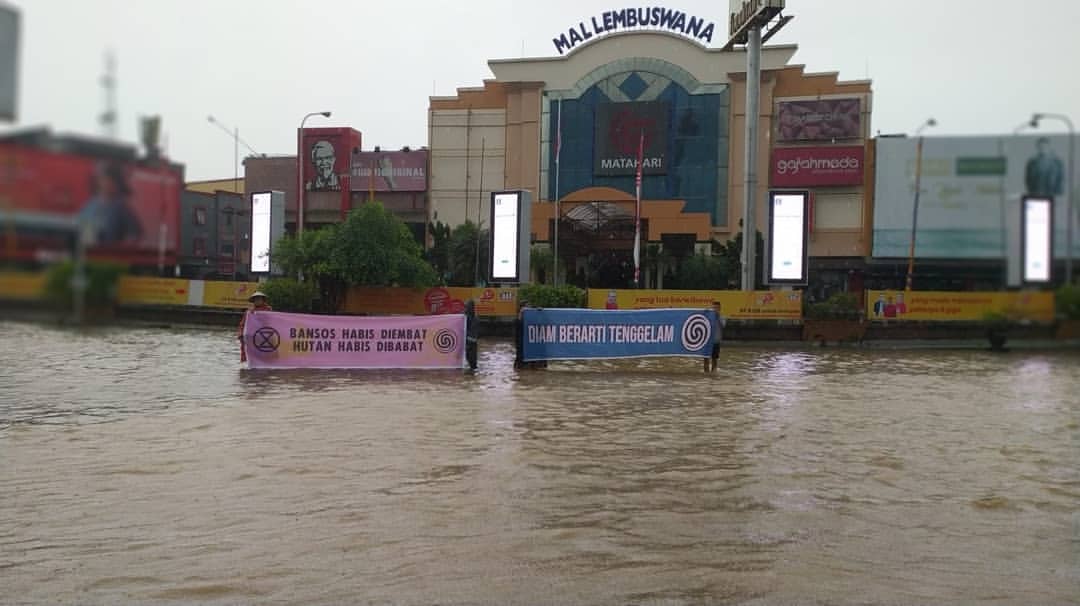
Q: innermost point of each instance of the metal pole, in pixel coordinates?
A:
(558, 205)
(479, 212)
(236, 159)
(300, 177)
(753, 90)
(914, 212)
(1069, 203)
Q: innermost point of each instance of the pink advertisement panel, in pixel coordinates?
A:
(816, 166)
(818, 119)
(390, 171)
(283, 340)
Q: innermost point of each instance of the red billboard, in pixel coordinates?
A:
(817, 166)
(325, 158)
(128, 212)
(819, 119)
(390, 171)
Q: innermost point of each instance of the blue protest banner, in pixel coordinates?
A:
(582, 334)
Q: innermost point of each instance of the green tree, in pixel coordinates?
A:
(372, 247)
(465, 240)
(542, 262)
(288, 294)
(307, 254)
(439, 253)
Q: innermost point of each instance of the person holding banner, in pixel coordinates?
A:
(718, 335)
(259, 302)
(472, 333)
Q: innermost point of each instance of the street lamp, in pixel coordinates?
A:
(1068, 192)
(235, 134)
(915, 209)
(300, 171)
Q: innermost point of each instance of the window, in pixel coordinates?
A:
(227, 249)
(200, 215)
(837, 211)
(198, 246)
(228, 217)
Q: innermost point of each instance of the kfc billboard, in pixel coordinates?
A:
(817, 166)
(390, 171)
(819, 119)
(126, 211)
(326, 156)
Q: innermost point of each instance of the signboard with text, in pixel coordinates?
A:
(583, 334)
(734, 304)
(619, 129)
(390, 171)
(832, 166)
(284, 340)
(632, 19)
(818, 119)
(958, 306)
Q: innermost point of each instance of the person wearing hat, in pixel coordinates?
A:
(259, 302)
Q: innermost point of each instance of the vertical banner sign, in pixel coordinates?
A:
(282, 340)
(510, 236)
(583, 334)
(260, 232)
(788, 227)
(1037, 238)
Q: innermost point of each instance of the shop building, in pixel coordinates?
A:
(215, 235)
(339, 176)
(568, 128)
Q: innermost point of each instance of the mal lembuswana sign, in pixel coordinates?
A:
(619, 129)
(655, 17)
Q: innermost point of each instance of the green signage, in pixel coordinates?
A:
(980, 166)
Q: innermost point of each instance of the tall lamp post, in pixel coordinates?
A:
(235, 134)
(1068, 191)
(915, 208)
(300, 171)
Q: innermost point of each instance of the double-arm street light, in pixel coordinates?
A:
(300, 171)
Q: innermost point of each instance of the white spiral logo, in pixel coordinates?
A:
(696, 332)
(445, 341)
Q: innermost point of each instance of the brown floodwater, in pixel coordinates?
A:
(143, 466)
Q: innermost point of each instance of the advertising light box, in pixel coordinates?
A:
(787, 246)
(1037, 236)
(260, 232)
(511, 219)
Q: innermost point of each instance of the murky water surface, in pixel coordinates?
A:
(141, 465)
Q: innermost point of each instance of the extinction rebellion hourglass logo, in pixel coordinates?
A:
(696, 332)
(266, 339)
(445, 341)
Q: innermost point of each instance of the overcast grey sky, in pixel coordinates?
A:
(977, 66)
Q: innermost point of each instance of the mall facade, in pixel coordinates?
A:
(568, 128)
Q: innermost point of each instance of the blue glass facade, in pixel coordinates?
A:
(697, 142)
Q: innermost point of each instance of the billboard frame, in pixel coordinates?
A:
(771, 235)
(1024, 279)
(523, 238)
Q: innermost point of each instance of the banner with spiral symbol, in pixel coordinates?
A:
(582, 334)
(284, 340)
(445, 341)
(696, 332)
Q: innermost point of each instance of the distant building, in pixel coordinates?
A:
(215, 235)
(214, 185)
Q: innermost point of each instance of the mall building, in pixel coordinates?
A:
(568, 128)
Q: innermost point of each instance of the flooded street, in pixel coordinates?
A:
(142, 465)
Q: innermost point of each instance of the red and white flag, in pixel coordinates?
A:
(637, 212)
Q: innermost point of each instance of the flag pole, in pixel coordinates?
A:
(637, 213)
(558, 206)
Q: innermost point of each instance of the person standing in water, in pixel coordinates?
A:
(259, 302)
(718, 335)
(472, 334)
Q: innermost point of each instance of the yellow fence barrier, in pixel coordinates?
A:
(735, 304)
(958, 306)
(22, 285)
(421, 301)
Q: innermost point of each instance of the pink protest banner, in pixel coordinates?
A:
(283, 340)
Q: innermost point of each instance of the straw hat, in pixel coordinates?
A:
(257, 293)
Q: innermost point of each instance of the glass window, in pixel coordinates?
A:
(200, 215)
(198, 246)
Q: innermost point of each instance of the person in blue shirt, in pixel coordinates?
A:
(1044, 174)
(106, 215)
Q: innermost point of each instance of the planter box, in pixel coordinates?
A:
(835, 331)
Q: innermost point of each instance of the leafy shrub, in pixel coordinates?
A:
(101, 281)
(542, 295)
(839, 306)
(1067, 299)
(287, 294)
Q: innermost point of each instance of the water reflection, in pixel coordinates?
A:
(863, 476)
